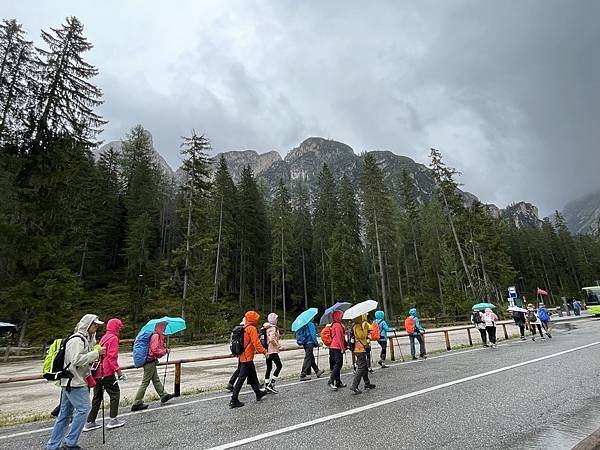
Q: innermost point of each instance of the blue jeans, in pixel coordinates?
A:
(74, 404)
(419, 338)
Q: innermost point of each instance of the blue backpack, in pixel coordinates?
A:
(543, 314)
(302, 336)
(141, 347)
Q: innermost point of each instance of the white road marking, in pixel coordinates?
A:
(350, 412)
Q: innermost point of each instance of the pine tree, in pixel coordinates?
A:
(281, 218)
(302, 237)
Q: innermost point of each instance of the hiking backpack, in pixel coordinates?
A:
(236, 344)
(326, 336)
(302, 335)
(54, 363)
(351, 339)
(476, 317)
(375, 332)
(141, 346)
(531, 316)
(264, 341)
(409, 325)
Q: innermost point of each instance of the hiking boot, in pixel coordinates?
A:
(355, 390)
(533, 338)
(236, 404)
(229, 387)
(305, 377)
(319, 373)
(114, 423)
(341, 385)
(165, 398)
(549, 335)
(271, 389)
(423, 356)
(414, 358)
(91, 426)
(333, 387)
(260, 395)
(370, 386)
(139, 407)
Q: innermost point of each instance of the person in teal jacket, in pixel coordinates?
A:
(417, 334)
(384, 329)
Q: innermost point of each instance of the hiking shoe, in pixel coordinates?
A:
(114, 423)
(533, 338)
(165, 398)
(333, 387)
(319, 373)
(383, 365)
(89, 426)
(355, 390)
(549, 335)
(493, 345)
(71, 447)
(271, 389)
(370, 386)
(523, 338)
(370, 370)
(229, 387)
(236, 404)
(305, 377)
(341, 385)
(423, 356)
(55, 412)
(260, 395)
(139, 407)
(414, 358)
(543, 338)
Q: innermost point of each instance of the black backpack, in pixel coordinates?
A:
(54, 363)
(477, 317)
(263, 338)
(237, 341)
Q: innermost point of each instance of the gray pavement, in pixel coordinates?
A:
(487, 398)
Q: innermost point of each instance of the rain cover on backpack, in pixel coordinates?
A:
(141, 347)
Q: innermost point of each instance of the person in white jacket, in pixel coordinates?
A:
(75, 394)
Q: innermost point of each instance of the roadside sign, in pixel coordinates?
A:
(512, 292)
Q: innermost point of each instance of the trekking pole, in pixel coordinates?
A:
(102, 391)
(167, 363)
(399, 346)
(318, 353)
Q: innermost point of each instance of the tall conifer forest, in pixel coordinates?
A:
(117, 236)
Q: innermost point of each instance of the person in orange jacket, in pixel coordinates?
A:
(246, 359)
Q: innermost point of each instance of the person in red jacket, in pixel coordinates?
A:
(337, 348)
(156, 350)
(106, 378)
(246, 360)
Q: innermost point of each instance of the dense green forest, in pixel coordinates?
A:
(119, 237)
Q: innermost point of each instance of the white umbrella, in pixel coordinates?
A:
(359, 309)
(516, 309)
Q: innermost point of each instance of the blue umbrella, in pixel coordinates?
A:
(483, 306)
(174, 325)
(339, 306)
(7, 327)
(304, 318)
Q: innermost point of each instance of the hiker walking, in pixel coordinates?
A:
(107, 376)
(156, 350)
(246, 358)
(384, 329)
(490, 319)
(544, 316)
(360, 329)
(336, 350)
(534, 321)
(236, 372)
(520, 321)
(415, 332)
(79, 354)
(306, 336)
(477, 320)
(273, 349)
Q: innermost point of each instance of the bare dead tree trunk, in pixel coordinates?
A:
(381, 275)
(216, 283)
(187, 256)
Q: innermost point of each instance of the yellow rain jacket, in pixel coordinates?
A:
(361, 333)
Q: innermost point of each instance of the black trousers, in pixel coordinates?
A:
(331, 360)
(483, 333)
(491, 331)
(235, 374)
(309, 360)
(273, 358)
(114, 393)
(539, 328)
(521, 328)
(247, 371)
(383, 344)
(338, 360)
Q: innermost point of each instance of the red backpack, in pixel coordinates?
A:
(409, 325)
(375, 332)
(326, 335)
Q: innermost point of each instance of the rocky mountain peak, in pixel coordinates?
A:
(522, 214)
(319, 148)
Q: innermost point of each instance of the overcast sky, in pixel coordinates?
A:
(509, 91)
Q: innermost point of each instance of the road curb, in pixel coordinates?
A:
(591, 442)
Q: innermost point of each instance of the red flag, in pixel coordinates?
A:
(541, 291)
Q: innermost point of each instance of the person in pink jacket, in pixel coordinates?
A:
(490, 319)
(274, 346)
(337, 348)
(106, 378)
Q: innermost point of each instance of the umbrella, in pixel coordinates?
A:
(6, 327)
(360, 308)
(516, 309)
(327, 315)
(483, 306)
(174, 325)
(304, 318)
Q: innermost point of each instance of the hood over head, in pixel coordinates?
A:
(160, 327)
(272, 318)
(360, 319)
(252, 318)
(114, 326)
(85, 323)
(379, 315)
(337, 316)
(488, 310)
(412, 312)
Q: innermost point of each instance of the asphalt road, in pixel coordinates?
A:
(541, 394)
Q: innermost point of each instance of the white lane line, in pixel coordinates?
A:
(392, 400)
(218, 397)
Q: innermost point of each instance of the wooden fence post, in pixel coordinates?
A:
(505, 332)
(391, 346)
(447, 337)
(177, 389)
(470, 338)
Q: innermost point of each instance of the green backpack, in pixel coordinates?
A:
(54, 363)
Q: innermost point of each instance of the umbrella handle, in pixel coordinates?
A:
(167, 363)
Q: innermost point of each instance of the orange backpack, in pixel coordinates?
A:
(375, 332)
(326, 335)
(409, 325)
